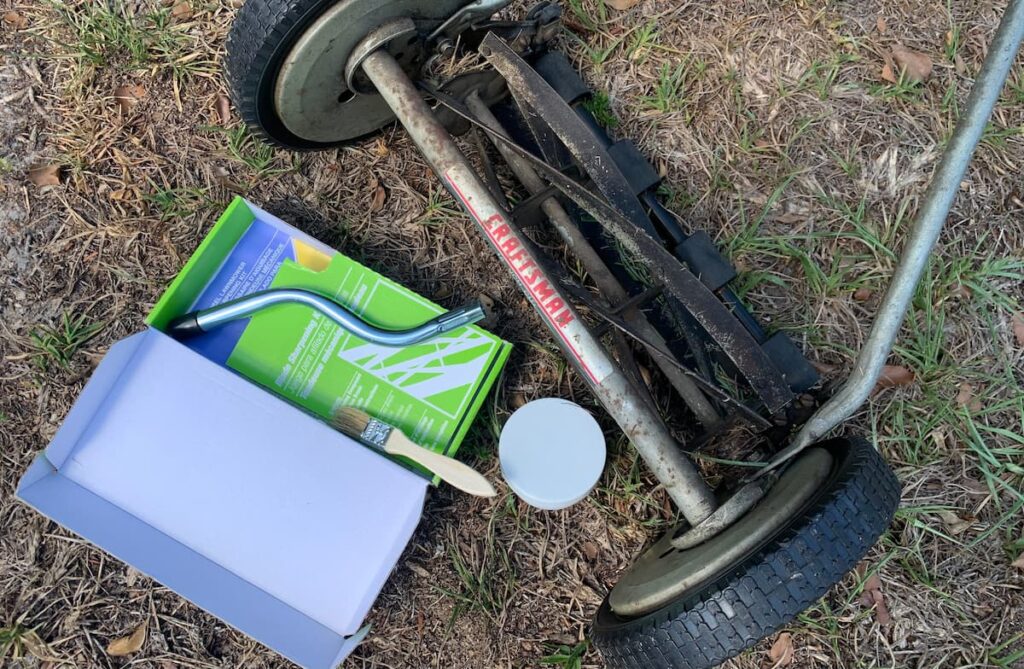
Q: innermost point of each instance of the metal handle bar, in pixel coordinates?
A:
(197, 322)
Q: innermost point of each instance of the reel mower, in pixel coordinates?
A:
(749, 555)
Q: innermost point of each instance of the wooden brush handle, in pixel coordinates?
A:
(452, 471)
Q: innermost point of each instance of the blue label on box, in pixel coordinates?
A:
(250, 266)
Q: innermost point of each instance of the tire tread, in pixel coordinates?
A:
(768, 589)
(260, 28)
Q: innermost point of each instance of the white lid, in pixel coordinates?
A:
(552, 453)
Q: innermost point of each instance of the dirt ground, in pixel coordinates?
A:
(781, 128)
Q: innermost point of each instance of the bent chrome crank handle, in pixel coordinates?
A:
(198, 322)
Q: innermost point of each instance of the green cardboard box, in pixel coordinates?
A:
(431, 390)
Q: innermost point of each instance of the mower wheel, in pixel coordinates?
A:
(285, 62)
(261, 36)
(761, 591)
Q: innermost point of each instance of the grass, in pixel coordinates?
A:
(1014, 89)
(643, 41)
(971, 285)
(18, 642)
(171, 203)
(566, 657)
(486, 575)
(671, 86)
(1009, 653)
(905, 89)
(600, 106)
(624, 492)
(56, 345)
(590, 18)
(821, 76)
(998, 138)
(598, 55)
(954, 36)
(104, 34)
(257, 156)
(439, 209)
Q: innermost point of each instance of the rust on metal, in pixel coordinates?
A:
(598, 270)
(714, 317)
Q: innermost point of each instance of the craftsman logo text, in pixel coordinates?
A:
(518, 259)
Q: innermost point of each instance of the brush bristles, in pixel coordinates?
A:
(351, 421)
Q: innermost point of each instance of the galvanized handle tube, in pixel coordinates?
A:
(932, 216)
(643, 427)
(204, 320)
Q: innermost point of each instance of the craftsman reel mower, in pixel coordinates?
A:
(753, 553)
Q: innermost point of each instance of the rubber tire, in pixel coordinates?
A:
(768, 588)
(262, 34)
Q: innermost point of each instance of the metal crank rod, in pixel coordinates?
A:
(640, 423)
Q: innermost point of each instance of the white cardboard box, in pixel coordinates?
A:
(252, 509)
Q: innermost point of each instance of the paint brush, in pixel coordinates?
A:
(377, 434)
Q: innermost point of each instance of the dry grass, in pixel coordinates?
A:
(775, 133)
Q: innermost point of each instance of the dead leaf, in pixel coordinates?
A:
(881, 25)
(960, 290)
(824, 368)
(45, 175)
(486, 301)
(863, 294)
(377, 199)
(954, 524)
(181, 11)
(882, 614)
(621, 5)
(1018, 328)
(872, 583)
(916, 66)
(16, 20)
(1019, 562)
(790, 217)
(381, 148)
(975, 487)
(223, 109)
(961, 66)
(418, 570)
(888, 70)
(127, 645)
(781, 652)
(873, 597)
(591, 550)
(966, 398)
(128, 96)
(893, 376)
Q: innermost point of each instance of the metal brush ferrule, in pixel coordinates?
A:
(376, 433)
